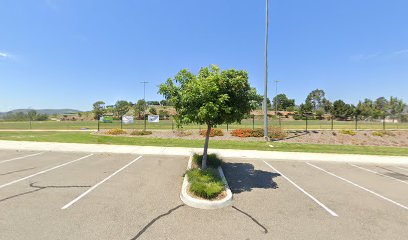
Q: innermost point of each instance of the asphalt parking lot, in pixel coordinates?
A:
(58, 195)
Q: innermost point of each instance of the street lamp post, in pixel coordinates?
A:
(265, 106)
(276, 97)
(144, 108)
(277, 101)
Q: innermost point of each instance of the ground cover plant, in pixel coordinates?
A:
(247, 132)
(348, 132)
(205, 183)
(212, 160)
(213, 132)
(115, 131)
(141, 133)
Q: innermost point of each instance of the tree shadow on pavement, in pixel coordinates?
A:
(242, 177)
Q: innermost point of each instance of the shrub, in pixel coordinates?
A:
(141, 133)
(182, 133)
(214, 132)
(116, 131)
(382, 133)
(277, 133)
(246, 132)
(205, 183)
(348, 132)
(241, 132)
(212, 160)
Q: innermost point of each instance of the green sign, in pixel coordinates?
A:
(107, 119)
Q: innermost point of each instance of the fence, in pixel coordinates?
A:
(287, 124)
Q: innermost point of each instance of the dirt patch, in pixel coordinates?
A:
(361, 138)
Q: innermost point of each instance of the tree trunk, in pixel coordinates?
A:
(207, 139)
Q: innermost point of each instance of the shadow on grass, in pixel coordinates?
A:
(242, 177)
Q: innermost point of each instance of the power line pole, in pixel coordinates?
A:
(145, 104)
(265, 106)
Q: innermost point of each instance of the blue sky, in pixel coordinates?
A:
(71, 53)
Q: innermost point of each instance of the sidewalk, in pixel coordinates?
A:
(230, 153)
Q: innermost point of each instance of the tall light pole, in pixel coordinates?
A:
(265, 106)
(276, 97)
(144, 108)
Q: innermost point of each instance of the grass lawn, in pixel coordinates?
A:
(85, 137)
(169, 124)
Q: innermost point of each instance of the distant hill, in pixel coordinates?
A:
(42, 111)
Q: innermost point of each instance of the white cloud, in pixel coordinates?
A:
(379, 56)
(400, 52)
(4, 55)
(364, 57)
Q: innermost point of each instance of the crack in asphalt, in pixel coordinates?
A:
(38, 188)
(21, 170)
(154, 220)
(252, 218)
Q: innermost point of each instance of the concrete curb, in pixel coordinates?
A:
(201, 203)
(179, 151)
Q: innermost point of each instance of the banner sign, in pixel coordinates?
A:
(127, 119)
(106, 119)
(153, 118)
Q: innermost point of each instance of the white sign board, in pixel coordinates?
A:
(128, 119)
(153, 118)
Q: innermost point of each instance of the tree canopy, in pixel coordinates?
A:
(212, 97)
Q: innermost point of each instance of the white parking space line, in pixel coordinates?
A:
(406, 169)
(17, 158)
(99, 183)
(302, 190)
(361, 187)
(371, 171)
(44, 171)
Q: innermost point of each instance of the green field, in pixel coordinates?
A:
(84, 137)
(169, 124)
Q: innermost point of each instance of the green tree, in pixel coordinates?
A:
(121, 108)
(98, 109)
(327, 105)
(153, 111)
(213, 97)
(380, 108)
(342, 110)
(164, 114)
(164, 103)
(396, 107)
(31, 115)
(366, 108)
(139, 108)
(283, 102)
(315, 99)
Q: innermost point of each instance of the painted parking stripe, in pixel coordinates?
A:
(44, 171)
(97, 185)
(361, 187)
(302, 190)
(17, 158)
(371, 171)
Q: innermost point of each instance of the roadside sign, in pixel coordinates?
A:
(153, 118)
(127, 119)
(107, 119)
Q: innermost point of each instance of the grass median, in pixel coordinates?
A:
(86, 137)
